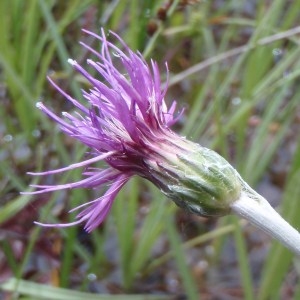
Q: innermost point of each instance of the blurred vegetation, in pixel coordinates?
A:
(234, 67)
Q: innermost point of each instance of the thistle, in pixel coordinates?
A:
(126, 123)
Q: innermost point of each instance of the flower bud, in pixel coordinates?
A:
(195, 178)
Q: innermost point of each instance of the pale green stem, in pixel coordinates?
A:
(260, 213)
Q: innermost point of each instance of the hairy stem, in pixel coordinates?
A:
(260, 213)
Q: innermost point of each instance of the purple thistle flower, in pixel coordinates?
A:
(127, 124)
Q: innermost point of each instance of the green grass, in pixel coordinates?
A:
(222, 69)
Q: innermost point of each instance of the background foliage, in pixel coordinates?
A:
(234, 67)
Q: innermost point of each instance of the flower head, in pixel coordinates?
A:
(126, 123)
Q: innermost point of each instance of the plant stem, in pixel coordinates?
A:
(260, 213)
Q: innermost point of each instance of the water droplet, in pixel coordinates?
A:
(210, 250)
(116, 54)
(277, 52)
(236, 101)
(92, 277)
(203, 264)
(8, 138)
(50, 73)
(172, 283)
(36, 133)
(147, 13)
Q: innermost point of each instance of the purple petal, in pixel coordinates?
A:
(74, 166)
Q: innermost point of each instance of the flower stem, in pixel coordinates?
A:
(260, 213)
